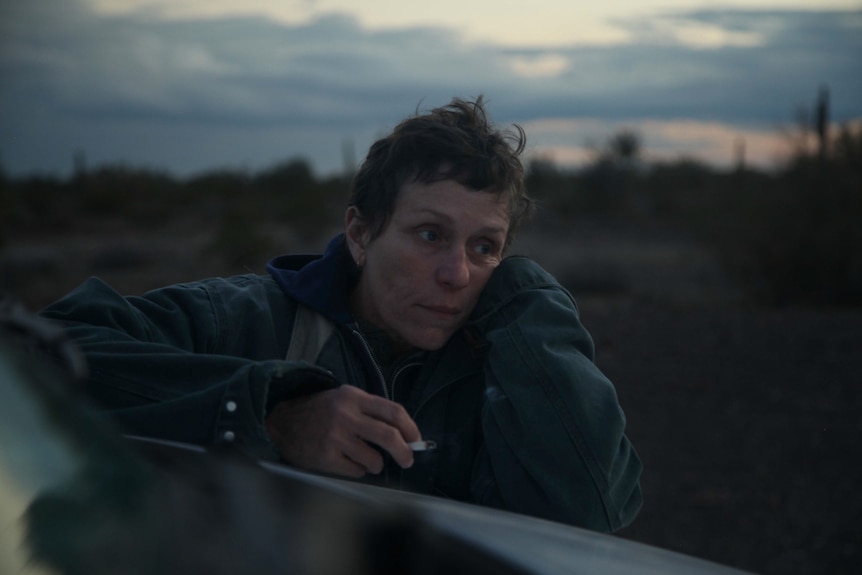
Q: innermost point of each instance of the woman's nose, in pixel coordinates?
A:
(453, 270)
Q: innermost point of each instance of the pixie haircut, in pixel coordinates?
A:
(456, 142)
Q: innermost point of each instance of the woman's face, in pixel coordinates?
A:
(422, 276)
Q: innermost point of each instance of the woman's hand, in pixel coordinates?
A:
(330, 431)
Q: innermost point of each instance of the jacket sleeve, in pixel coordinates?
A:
(553, 429)
(190, 362)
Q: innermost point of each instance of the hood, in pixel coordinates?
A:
(322, 283)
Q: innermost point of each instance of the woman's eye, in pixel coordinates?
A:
(429, 235)
(484, 249)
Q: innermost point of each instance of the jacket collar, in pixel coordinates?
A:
(321, 282)
(514, 275)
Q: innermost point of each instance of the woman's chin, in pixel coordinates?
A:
(429, 340)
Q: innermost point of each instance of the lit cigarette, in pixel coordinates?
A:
(422, 445)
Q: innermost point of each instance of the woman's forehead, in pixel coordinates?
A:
(451, 201)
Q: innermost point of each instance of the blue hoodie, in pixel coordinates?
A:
(322, 283)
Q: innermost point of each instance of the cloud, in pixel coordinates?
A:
(794, 53)
(539, 66)
(194, 94)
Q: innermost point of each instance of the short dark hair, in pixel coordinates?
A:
(456, 141)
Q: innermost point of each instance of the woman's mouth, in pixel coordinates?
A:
(443, 311)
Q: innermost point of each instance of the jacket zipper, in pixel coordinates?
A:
(401, 370)
(374, 362)
(386, 391)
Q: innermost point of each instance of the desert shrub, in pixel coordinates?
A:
(239, 240)
(293, 195)
(601, 188)
(215, 184)
(325, 208)
(140, 196)
(552, 189)
(283, 187)
(675, 191)
(210, 195)
(608, 185)
(604, 188)
(294, 175)
(39, 203)
(797, 239)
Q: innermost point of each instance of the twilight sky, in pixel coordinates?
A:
(204, 84)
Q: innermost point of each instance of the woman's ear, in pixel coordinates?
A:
(357, 233)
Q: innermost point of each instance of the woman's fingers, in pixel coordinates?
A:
(330, 431)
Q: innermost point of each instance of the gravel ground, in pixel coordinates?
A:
(748, 424)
